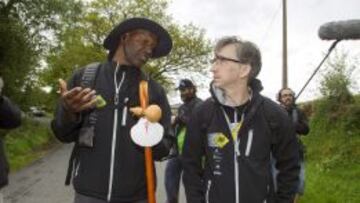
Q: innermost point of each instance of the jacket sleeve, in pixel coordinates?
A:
(286, 153)
(66, 125)
(193, 151)
(10, 114)
(182, 117)
(162, 149)
(302, 126)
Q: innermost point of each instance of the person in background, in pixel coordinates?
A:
(286, 97)
(174, 167)
(10, 118)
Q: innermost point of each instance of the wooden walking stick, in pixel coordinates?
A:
(149, 168)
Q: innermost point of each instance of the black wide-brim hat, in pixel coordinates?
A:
(163, 46)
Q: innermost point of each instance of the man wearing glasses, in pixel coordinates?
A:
(236, 130)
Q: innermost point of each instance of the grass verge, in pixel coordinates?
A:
(28, 142)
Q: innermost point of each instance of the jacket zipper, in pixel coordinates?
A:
(236, 163)
(268, 190)
(115, 125)
(249, 142)
(208, 191)
(236, 141)
(236, 168)
(124, 113)
(77, 166)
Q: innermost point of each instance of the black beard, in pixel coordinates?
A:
(187, 98)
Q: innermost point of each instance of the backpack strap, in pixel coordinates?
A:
(87, 81)
(71, 165)
(89, 75)
(295, 116)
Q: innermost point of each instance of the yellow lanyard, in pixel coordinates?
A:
(234, 128)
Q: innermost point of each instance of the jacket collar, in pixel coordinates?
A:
(219, 95)
(130, 70)
(251, 107)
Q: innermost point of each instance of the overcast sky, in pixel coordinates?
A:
(260, 21)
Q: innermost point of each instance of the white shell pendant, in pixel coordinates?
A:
(146, 133)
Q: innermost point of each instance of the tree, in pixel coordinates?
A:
(81, 43)
(337, 80)
(338, 104)
(25, 27)
(39, 16)
(16, 57)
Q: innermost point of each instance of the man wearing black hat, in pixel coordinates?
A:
(106, 166)
(174, 167)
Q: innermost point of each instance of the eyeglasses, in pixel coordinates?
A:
(221, 59)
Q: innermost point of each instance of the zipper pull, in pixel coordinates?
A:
(237, 148)
(116, 99)
(124, 113)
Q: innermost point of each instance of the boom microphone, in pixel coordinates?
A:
(340, 30)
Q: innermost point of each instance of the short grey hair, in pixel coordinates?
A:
(246, 52)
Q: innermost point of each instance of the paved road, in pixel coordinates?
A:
(43, 181)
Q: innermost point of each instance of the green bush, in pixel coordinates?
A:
(333, 152)
(27, 143)
(333, 158)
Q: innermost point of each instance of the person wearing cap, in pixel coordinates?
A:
(174, 168)
(230, 136)
(106, 165)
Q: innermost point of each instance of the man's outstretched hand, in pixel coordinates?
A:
(77, 99)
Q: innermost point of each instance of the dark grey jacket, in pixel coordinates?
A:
(10, 117)
(114, 168)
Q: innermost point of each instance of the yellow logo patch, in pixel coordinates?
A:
(220, 140)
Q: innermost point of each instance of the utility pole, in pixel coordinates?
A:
(284, 72)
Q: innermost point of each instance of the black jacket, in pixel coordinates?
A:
(300, 122)
(181, 121)
(299, 119)
(185, 110)
(10, 117)
(266, 129)
(94, 172)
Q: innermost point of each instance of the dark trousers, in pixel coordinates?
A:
(172, 179)
(79, 198)
(4, 165)
(301, 184)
